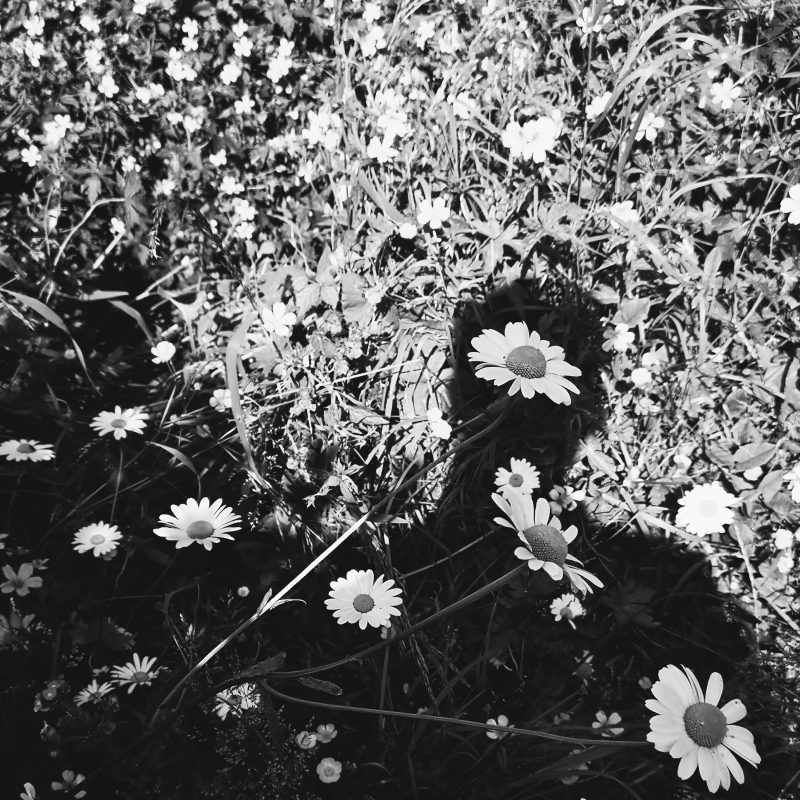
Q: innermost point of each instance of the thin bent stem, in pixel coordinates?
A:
(270, 602)
(482, 726)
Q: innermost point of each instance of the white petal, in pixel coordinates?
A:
(734, 711)
(714, 688)
(688, 764)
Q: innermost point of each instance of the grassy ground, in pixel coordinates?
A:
(364, 166)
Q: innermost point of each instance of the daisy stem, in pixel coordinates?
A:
(278, 598)
(482, 726)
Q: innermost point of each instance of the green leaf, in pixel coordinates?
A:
(266, 666)
(750, 456)
(321, 686)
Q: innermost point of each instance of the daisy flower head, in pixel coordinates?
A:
(545, 544)
(689, 726)
(306, 740)
(204, 522)
(119, 422)
(502, 721)
(522, 477)
(26, 450)
(566, 607)
(706, 509)
(360, 597)
(93, 693)
(99, 537)
(136, 672)
(530, 363)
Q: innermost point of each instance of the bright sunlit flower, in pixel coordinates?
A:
(204, 522)
(26, 450)
(236, 699)
(162, 352)
(706, 509)
(433, 214)
(528, 361)
(437, 425)
(650, 126)
(135, 673)
(545, 543)
(119, 422)
(329, 770)
(31, 155)
(522, 477)
(603, 724)
(502, 721)
(624, 211)
(791, 205)
(619, 339)
(597, 106)
(566, 607)
(792, 478)
(724, 94)
(690, 727)
(93, 692)
(533, 140)
(277, 320)
(99, 537)
(360, 597)
(326, 733)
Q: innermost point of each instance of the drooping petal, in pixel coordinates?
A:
(734, 710)
(733, 765)
(688, 764)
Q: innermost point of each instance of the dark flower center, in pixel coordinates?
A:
(363, 603)
(98, 538)
(516, 480)
(118, 423)
(140, 677)
(25, 448)
(566, 613)
(546, 543)
(527, 362)
(705, 724)
(200, 529)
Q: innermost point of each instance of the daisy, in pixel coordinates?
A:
(326, 733)
(706, 509)
(545, 542)
(523, 477)
(528, 361)
(278, 320)
(236, 699)
(93, 692)
(603, 723)
(26, 450)
(204, 522)
(567, 607)
(361, 598)
(119, 422)
(329, 770)
(437, 425)
(98, 537)
(502, 721)
(692, 728)
(136, 672)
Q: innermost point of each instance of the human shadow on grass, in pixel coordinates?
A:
(509, 654)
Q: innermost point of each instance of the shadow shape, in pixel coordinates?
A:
(508, 654)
